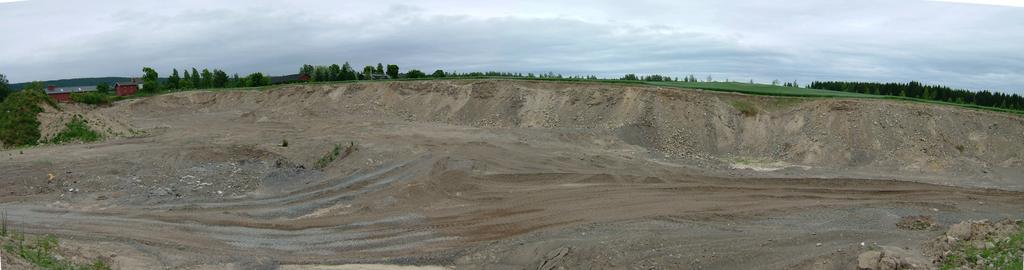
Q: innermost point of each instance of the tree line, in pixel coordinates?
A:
(345, 72)
(195, 79)
(915, 89)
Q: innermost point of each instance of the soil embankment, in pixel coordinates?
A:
(514, 174)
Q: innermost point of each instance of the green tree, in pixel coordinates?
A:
(306, 70)
(415, 73)
(438, 74)
(103, 88)
(320, 74)
(220, 78)
(196, 80)
(235, 81)
(334, 72)
(151, 80)
(19, 123)
(207, 78)
(393, 71)
(368, 72)
(174, 81)
(256, 79)
(347, 74)
(380, 69)
(186, 82)
(5, 87)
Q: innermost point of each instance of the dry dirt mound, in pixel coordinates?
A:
(980, 244)
(53, 121)
(496, 174)
(834, 137)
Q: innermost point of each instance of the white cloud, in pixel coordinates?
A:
(971, 46)
(1006, 3)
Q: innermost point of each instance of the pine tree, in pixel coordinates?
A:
(174, 81)
(186, 83)
(196, 81)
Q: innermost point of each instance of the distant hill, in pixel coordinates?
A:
(112, 80)
(75, 82)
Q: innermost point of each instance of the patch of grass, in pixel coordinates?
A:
(745, 108)
(1006, 253)
(42, 252)
(92, 98)
(76, 130)
(19, 122)
(3, 223)
(339, 152)
(960, 148)
(761, 89)
(774, 90)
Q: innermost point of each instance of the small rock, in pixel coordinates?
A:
(960, 231)
(817, 245)
(868, 260)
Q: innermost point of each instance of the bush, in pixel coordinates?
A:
(76, 130)
(415, 74)
(19, 124)
(335, 154)
(42, 254)
(1003, 253)
(745, 108)
(93, 98)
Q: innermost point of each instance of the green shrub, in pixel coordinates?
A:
(745, 108)
(335, 153)
(42, 254)
(92, 98)
(1007, 253)
(77, 129)
(19, 124)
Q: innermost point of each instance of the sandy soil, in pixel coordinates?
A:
(496, 174)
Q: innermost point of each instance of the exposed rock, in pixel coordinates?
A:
(891, 258)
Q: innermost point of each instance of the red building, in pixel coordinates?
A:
(127, 88)
(63, 94)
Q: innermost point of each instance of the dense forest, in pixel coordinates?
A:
(929, 92)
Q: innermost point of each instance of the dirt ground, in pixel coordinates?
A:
(496, 174)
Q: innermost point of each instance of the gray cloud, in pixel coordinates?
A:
(973, 46)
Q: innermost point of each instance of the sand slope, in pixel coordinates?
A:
(498, 174)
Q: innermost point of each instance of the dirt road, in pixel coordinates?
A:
(511, 175)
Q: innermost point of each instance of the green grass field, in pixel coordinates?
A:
(773, 90)
(761, 89)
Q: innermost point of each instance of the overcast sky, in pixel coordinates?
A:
(961, 43)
